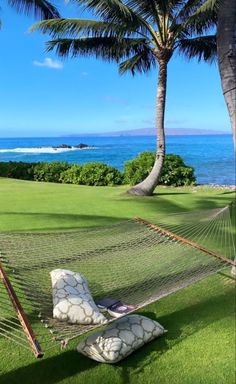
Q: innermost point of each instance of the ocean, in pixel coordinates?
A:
(212, 156)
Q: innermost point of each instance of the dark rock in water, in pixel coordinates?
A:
(63, 146)
(81, 146)
(66, 146)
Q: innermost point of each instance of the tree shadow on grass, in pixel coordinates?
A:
(168, 203)
(180, 325)
(212, 202)
(229, 192)
(149, 206)
(49, 370)
(174, 193)
(61, 221)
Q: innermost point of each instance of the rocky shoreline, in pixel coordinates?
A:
(78, 146)
(231, 188)
(217, 186)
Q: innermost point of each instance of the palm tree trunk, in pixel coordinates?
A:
(226, 46)
(147, 186)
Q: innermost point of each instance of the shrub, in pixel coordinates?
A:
(17, 170)
(99, 174)
(62, 172)
(175, 172)
(71, 175)
(139, 168)
(4, 168)
(50, 171)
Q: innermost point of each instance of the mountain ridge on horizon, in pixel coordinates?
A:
(152, 132)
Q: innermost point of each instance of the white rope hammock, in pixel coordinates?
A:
(134, 261)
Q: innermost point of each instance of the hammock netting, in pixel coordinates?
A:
(131, 261)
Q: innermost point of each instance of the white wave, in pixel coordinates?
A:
(37, 150)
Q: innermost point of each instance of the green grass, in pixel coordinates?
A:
(199, 345)
(41, 206)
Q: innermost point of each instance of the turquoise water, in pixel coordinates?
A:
(212, 156)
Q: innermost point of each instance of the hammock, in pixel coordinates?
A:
(133, 261)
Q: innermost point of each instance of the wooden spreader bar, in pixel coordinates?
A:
(21, 314)
(159, 229)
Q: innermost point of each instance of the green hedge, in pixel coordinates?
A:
(175, 171)
(71, 175)
(17, 170)
(92, 174)
(62, 172)
(50, 171)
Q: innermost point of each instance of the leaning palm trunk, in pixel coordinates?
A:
(226, 46)
(147, 186)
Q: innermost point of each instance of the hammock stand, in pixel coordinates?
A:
(191, 262)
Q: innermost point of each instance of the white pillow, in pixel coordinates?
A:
(120, 339)
(72, 300)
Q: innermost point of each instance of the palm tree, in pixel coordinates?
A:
(42, 9)
(226, 50)
(139, 35)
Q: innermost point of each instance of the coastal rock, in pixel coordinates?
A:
(81, 146)
(66, 146)
(63, 146)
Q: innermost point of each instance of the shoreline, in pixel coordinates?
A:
(218, 186)
(229, 187)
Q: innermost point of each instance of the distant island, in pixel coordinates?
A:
(152, 132)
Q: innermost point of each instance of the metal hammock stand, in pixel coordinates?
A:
(135, 261)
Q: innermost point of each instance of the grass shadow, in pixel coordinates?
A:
(49, 370)
(180, 325)
(55, 221)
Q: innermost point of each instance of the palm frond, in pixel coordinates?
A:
(111, 10)
(201, 20)
(147, 9)
(189, 20)
(42, 9)
(141, 62)
(104, 48)
(200, 47)
(187, 8)
(107, 48)
(118, 12)
(75, 27)
(152, 11)
(209, 5)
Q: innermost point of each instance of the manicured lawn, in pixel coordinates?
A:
(30, 205)
(199, 345)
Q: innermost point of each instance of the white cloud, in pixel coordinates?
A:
(49, 63)
(84, 74)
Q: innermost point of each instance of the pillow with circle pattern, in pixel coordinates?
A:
(120, 339)
(72, 300)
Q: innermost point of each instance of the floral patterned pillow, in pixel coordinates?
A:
(72, 300)
(120, 339)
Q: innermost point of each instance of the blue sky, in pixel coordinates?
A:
(44, 96)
